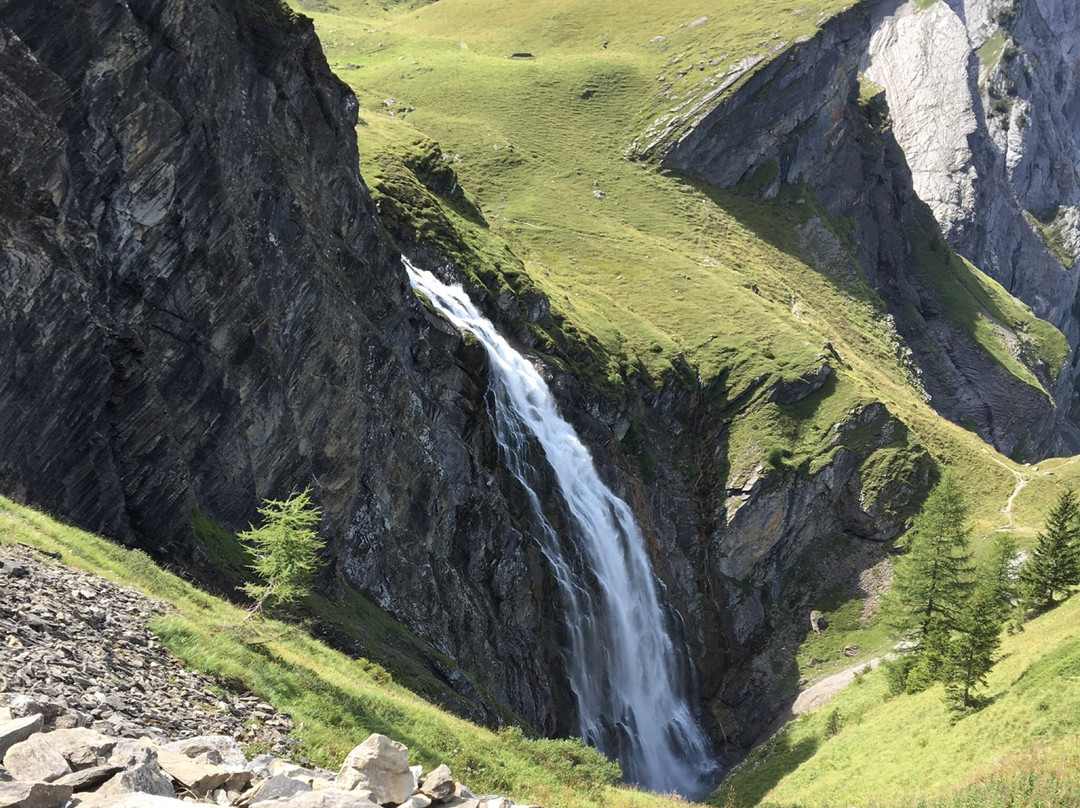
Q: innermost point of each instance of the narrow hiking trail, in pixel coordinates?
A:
(1022, 479)
(820, 692)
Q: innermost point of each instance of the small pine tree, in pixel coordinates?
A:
(973, 645)
(286, 550)
(934, 577)
(1054, 566)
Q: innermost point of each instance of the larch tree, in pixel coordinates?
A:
(1054, 565)
(976, 634)
(933, 581)
(286, 550)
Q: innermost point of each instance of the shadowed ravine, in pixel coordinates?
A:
(629, 676)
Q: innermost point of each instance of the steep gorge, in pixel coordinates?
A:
(201, 309)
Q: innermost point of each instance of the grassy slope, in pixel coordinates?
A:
(658, 272)
(653, 270)
(894, 752)
(336, 701)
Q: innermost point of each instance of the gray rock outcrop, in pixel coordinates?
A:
(813, 127)
(155, 780)
(981, 95)
(379, 766)
(200, 310)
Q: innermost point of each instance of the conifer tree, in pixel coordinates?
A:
(1000, 573)
(1054, 565)
(286, 550)
(934, 576)
(973, 643)
(932, 583)
(976, 635)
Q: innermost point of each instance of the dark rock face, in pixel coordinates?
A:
(198, 310)
(728, 544)
(798, 119)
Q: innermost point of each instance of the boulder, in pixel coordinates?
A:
(22, 706)
(33, 795)
(330, 798)
(35, 759)
(381, 766)
(280, 786)
(439, 784)
(146, 778)
(417, 801)
(17, 730)
(88, 779)
(100, 800)
(260, 767)
(278, 766)
(81, 747)
(219, 749)
(129, 754)
(197, 776)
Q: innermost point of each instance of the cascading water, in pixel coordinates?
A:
(629, 677)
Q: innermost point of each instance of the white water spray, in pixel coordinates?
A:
(629, 677)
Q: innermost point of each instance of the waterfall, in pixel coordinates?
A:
(628, 675)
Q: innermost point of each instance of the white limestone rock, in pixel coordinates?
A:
(381, 766)
(35, 759)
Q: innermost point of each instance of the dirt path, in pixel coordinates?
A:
(1022, 479)
(824, 690)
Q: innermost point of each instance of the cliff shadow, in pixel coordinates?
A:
(784, 757)
(795, 224)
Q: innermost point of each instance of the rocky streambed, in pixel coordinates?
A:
(95, 713)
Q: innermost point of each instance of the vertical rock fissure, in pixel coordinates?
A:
(629, 675)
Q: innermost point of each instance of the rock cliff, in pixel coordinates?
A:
(982, 98)
(983, 101)
(808, 117)
(199, 310)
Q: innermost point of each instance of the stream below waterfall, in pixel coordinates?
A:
(630, 675)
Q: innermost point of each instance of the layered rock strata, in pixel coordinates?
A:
(198, 310)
